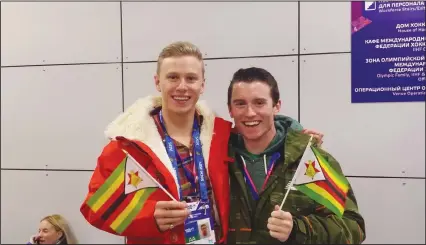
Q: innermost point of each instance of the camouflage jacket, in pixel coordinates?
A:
(312, 222)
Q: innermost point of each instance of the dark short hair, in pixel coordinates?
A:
(252, 74)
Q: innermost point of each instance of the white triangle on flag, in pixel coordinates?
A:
(310, 169)
(136, 177)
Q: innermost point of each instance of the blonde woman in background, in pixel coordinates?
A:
(53, 229)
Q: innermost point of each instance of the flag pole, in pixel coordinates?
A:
(290, 185)
(149, 175)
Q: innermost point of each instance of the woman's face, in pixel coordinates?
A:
(47, 233)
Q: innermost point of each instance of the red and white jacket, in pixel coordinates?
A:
(108, 208)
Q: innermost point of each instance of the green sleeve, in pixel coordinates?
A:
(324, 227)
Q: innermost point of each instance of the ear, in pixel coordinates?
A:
(277, 107)
(157, 82)
(202, 86)
(60, 234)
(230, 112)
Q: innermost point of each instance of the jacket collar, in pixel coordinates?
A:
(136, 123)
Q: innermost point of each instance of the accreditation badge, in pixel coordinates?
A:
(199, 224)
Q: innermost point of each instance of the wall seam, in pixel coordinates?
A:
(298, 61)
(122, 54)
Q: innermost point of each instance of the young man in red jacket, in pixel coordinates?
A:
(165, 135)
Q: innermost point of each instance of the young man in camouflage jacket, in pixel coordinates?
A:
(263, 138)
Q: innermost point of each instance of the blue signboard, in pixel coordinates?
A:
(388, 51)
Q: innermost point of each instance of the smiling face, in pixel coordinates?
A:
(181, 82)
(252, 108)
(47, 233)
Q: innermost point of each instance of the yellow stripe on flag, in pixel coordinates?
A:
(123, 215)
(102, 199)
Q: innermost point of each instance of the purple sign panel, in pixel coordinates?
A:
(388, 51)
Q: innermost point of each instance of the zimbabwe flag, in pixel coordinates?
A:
(318, 180)
(122, 196)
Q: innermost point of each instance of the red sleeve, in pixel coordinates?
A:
(108, 208)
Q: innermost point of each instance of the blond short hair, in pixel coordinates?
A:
(179, 49)
(60, 224)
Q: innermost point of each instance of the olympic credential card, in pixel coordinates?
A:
(198, 228)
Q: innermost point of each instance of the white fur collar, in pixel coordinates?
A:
(137, 124)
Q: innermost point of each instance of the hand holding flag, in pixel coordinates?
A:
(170, 214)
(280, 224)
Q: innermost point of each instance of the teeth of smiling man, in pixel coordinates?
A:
(252, 123)
(181, 98)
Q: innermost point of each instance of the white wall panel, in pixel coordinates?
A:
(375, 139)
(393, 209)
(36, 194)
(54, 116)
(138, 81)
(59, 32)
(220, 29)
(219, 74)
(325, 27)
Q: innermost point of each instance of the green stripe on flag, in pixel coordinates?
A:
(333, 172)
(108, 182)
(128, 220)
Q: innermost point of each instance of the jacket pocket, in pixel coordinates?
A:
(302, 204)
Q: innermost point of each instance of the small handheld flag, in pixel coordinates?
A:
(122, 195)
(318, 180)
(138, 178)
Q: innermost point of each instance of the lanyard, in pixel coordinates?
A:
(249, 181)
(190, 175)
(198, 159)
